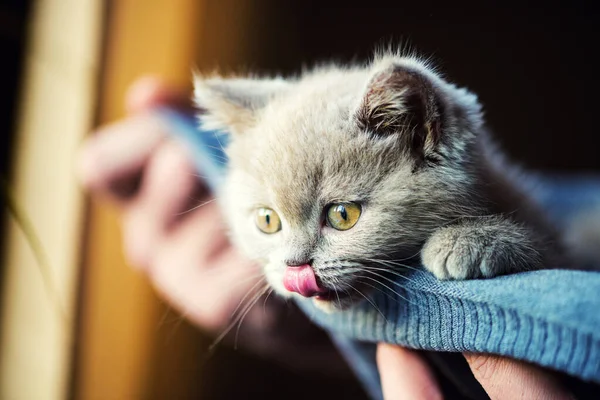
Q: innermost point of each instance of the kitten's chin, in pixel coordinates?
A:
(329, 306)
(326, 306)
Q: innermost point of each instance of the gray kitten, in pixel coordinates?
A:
(345, 174)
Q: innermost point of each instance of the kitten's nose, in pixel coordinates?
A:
(301, 279)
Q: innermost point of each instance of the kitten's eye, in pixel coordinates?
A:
(343, 216)
(267, 220)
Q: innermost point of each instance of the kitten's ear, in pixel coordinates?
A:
(233, 104)
(402, 100)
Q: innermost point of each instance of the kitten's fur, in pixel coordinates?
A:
(393, 136)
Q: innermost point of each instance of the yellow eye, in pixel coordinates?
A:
(343, 216)
(267, 220)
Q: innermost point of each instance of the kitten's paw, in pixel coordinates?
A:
(450, 255)
(477, 251)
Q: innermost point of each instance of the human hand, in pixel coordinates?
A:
(405, 375)
(174, 233)
(135, 164)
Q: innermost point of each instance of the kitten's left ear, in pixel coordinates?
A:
(232, 105)
(401, 100)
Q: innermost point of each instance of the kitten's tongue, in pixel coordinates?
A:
(301, 280)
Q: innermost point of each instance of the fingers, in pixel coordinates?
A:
(168, 190)
(405, 375)
(200, 272)
(186, 255)
(149, 92)
(111, 162)
(504, 378)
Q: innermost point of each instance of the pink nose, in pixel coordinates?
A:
(302, 280)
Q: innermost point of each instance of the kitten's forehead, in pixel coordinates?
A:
(305, 159)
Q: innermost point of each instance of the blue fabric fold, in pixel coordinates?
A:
(547, 317)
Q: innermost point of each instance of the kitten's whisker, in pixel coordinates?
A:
(178, 323)
(385, 270)
(265, 302)
(196, 207)
(389, 288)
(370, 301)
(393, 263)
(217, 155)
(386, 278)
(409, 257)
(236, 320)
(247, 294)
(163, 319)
(389, 296)
(186, 311)
(385, 286)
(203, 177)
(335, 290)
(388, 270)
(396, 270)
(220, 144)
(251, 305)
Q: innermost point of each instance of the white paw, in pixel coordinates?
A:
(452, 254)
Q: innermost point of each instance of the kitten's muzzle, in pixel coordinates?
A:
(302, 280)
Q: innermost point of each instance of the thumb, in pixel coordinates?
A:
(150, 91)
(405, 375)
(504, 378)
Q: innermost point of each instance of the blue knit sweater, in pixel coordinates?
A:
(548, 317)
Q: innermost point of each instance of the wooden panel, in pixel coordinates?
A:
(120, 313)
(126, 350)
(56, 111)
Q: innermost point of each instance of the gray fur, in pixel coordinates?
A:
(392, 136)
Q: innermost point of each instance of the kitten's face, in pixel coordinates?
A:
(326, 199)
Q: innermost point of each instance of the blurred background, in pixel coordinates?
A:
(65, 67)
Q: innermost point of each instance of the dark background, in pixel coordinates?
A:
(13, 23)
(533, 67)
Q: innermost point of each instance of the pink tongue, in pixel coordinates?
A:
(301, 280)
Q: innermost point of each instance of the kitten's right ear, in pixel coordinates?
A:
(232, 105)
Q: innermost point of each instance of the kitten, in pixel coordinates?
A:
(344, 173)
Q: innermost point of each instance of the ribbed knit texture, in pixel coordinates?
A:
(549, 317)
